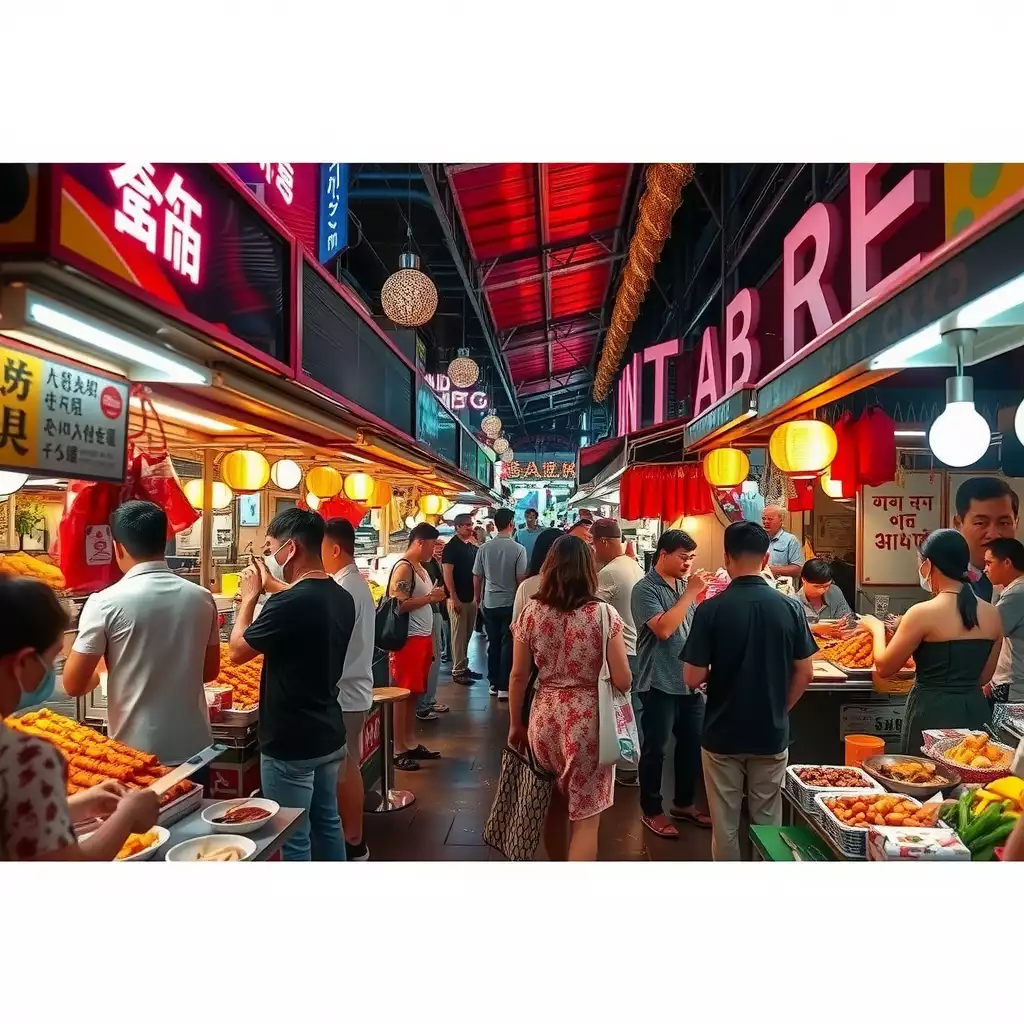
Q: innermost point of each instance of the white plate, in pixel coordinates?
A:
(162, 835)
(244, 827)
(189, 850)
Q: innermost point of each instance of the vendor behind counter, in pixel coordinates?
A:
(820, 598)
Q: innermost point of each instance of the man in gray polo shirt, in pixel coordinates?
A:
(663, 605)
(499, 569)
(1004, 565)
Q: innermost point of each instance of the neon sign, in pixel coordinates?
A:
(546, 471)
(284, 179)
(454, 399)
(182, 242)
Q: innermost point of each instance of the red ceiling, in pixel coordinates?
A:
(499, 207)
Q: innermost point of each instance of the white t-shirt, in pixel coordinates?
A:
(153, 629)
(615, 584)
(421, 621)
(355, 687)
(524, 594)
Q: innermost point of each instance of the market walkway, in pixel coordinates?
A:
(453, 795)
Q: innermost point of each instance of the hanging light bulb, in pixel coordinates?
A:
(463, 370)
(1018, 423)
(501, 446)
(491, 424)
(960, 435)
(409, 297)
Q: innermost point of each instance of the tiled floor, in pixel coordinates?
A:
(453, 795)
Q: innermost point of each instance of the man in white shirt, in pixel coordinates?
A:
(355, 687)
(159, 636)
(618, 575)
(785, 556)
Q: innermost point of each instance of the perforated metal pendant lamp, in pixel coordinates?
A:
(463, 370)
(409, 297)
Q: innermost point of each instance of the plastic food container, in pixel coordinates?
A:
(859, 748)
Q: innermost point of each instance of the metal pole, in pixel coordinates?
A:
(206, 534)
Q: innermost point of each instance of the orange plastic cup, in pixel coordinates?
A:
(860, 747)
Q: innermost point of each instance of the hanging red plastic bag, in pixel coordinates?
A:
(876, 448)
(85, 547)
(157, 482)
(342, 508)
(803, 500)
(844, 469)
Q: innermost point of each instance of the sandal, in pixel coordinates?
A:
(698, 818)
(439, 708)
(660, 826)
(421, 753)
(426, 716)
(406, 764)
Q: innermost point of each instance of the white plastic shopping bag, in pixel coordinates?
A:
(618, 739)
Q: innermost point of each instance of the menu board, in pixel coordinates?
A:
(894, 523)
(60, 419)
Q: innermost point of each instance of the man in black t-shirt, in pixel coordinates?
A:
(457, 565)
(752, 647)
(303, 634)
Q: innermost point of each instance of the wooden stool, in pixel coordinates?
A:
(391, 799)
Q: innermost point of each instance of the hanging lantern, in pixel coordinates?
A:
(501, 446)
(312, 502)
(491, 425)
(323, 481)
(381, 496)
(409, 297)
(835, 489)
(411, 521)
(463, 370)
(220, 499)
(285, 474)
(803, 448)
(432, 504)
(245, 472)
(726, 467)
(358, 486)
(11, 483)
(960, 435)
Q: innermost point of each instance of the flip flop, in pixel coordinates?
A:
(698, 818)
(666, 831)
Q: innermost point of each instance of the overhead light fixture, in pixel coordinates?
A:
(10, 483)
(220, 498)
(409, 297)
(992, 304)
(193, 419)
(491, 424)
(904, 351)
(501, 446)
(960, 435)
(144, 357)
(910, 433)
(352, 457)
(463, 370)
(245, 471)
(286, 474)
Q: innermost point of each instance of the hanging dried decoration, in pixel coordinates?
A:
(662, 195)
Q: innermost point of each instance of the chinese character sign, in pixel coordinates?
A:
(282, 177)
(333, 216)
(59, 420)
(543, 471)
(894, 523)
(148, 214)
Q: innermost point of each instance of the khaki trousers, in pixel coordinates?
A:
(724, 779)
(463, 623)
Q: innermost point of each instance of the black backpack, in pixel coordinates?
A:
(391, 627)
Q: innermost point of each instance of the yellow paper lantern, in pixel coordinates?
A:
(220, 499)
(432, 504)
(286, 474)
(726, 467)
(358, 486)
(381, 496)
(833, 488)
(323, 481)
(312, 502)
(244, 471)
(803, 448)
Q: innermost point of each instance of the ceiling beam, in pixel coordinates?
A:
(576, 378)
(542, 238)
(535, 252)
(549, 272)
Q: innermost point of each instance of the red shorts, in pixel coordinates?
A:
(410, 666)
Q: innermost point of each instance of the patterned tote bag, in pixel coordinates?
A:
(520, 806)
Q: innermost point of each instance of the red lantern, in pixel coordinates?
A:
(803, 501)
(342, 508)
(876, 449)
(844, 469)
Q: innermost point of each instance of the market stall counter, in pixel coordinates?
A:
(269, 838)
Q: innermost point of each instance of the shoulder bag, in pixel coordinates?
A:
(618, 740)
(391, 626)
(516, 822)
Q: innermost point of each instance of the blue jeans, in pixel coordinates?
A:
(313, 786)
(426, 699)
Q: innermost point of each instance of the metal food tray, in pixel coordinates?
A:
(804, 795)
(182, 807)
(238, 719)
(867, 673)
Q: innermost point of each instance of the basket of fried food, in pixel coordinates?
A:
(855, 654)
(846, 817)
(913, 776)
(977, 757)
(805, 781)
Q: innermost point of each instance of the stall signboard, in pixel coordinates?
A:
(290, 191)
(540, 471)
(894, 523)
(332, 216)
(883, 719)
(61, 419)
(182, 238)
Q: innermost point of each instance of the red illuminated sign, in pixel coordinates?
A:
(283, 177)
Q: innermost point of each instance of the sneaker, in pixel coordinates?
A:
(357, 853)
(426, 716)
(492, 690)
(503, 695)
(473, 675)
(440, 708)
(627, 780)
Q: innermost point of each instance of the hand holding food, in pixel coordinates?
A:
(142, 807)
(436, 594)
(97, 801)
(250, 585)
(698, 583)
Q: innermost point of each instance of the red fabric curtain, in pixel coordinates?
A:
(804, 499)
(844, 465)
(876, 448)
(664, 492)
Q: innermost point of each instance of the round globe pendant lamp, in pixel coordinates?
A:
(323, 481)
(803, 448)
(463, 370)
(286, 474)
(726, 467)
(221, 497)
(960, 435)
(244, 471)
(491, 425)
(358, 486)
(409, 297)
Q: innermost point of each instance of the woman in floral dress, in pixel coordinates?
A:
(560, 632)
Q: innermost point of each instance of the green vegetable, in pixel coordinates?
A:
(992, 836)
(981, 824)
(963, 811)
(984, 853)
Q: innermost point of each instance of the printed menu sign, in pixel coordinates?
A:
(894, 523)
(58, 419)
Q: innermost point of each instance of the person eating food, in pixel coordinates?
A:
(823, 603)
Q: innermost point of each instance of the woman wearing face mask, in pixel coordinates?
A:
(36, 815)
(954, 639)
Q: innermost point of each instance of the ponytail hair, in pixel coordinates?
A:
(949, 554)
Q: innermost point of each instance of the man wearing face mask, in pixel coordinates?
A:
(159, 636)
(303, 633)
